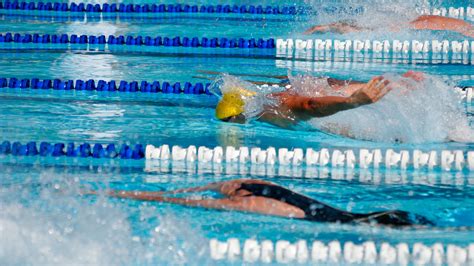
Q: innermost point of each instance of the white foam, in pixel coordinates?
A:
(97, 235)
(57, 229)
(311, 86)
(430, 111)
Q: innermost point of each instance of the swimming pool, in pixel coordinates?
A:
(44, 221)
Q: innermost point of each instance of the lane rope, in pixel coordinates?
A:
(454, 12)
(193, 42)
(153, 8)
(466, 93)
(377, 46)
(88, 8)
(180, 171)
(444, 160)
(101, 85)
(385, 51)
(281, 45)
(337, 252)
(175, 8)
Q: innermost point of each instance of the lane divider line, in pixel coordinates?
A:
(337, 252)
(101, 85)
(190, 42)
(445, 160)
(186, 172)
(454, 12)
(176, 8)
(396, 51)
(153, 8)
(134, 86)
(377, 46)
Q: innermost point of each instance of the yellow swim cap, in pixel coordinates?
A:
(232, 103)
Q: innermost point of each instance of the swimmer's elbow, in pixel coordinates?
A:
(326, 106)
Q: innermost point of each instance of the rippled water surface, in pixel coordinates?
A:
(45, 220)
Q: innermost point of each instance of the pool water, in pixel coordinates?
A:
(45, 220)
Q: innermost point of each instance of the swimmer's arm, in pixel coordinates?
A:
(252, 204)
(338, 27)
(221, 204)
(305, 108)
(225, 188)
(333, 82)
(430, 22)
(278, 120)
(151, 194)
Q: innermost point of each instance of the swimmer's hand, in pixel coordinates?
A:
(337, 27)
(375, 89)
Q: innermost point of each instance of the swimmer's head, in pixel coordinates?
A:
(231, 106)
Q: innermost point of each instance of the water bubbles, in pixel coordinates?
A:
(310, 86)
(68, 230)
(413, 112)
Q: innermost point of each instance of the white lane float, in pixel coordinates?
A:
(335, 252)
(446, 160)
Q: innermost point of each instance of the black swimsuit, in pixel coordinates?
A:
(320, 212)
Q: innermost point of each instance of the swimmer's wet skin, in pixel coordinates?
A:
(293, 108)
(258, 196)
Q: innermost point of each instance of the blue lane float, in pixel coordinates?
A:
(158, 8)
(84, 150)
(102, 85)
(434, 160)
(190, 42)
(197, 88)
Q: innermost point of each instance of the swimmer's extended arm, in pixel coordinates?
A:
(304, 107)
(424, 22)
(430, 22)
(227, 188)
(338, 27)
(254, 204)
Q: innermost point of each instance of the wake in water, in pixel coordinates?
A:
(381, 18)
(40, 225)
(376, 15)
(413, 111)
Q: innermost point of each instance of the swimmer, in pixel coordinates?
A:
(262, 197)
(424, 22)
(290, 108)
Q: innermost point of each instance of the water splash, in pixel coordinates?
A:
(375, 13)
(254, 104)
(311, 86)
(46, 222)
(96, 235)
(413, 112)
(379, 19)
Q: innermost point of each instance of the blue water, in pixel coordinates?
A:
(47, 222)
